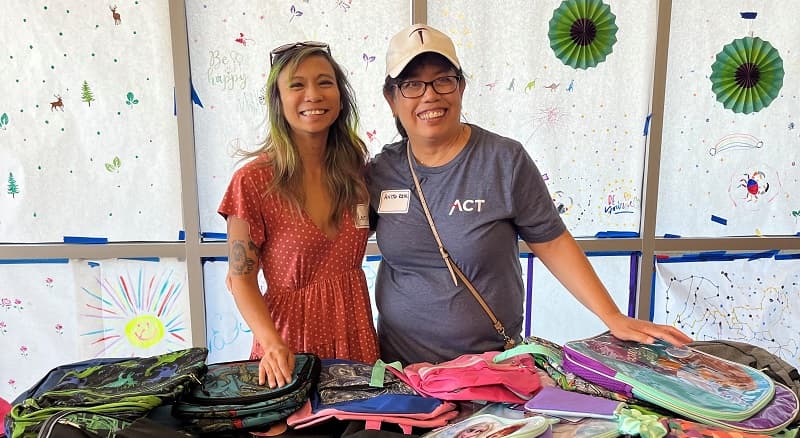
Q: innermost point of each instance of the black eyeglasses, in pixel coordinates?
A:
(280, 50)
(442, 85)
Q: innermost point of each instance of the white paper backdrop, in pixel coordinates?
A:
(228, 337)
(109, 144)
(58, 311)
(132, 307)
(229, 50)
(753, 301)
(559, 317)
(38, 324)
(725, 173)
(583, 127)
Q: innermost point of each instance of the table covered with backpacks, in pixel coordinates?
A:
(599, 387)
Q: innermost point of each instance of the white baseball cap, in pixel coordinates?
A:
(415, 40)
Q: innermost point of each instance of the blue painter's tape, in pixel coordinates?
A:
(220, 236)
(763, 255)
(195, 96)
(181, 235)
(93, 264)
(711, 253)
(214, 259)
(748, 15)
(610, 253)
(633, 280)
(142, 259)
(720, 256)
(647, 124)
(85, 240)
(671, 236)
(31, 261)
(616, 234)
(653, 291)
(719, 220)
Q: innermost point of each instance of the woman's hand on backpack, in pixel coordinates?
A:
(646, 332)
(277, 365)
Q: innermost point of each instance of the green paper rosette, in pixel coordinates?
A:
(582, 32)
(747, 75)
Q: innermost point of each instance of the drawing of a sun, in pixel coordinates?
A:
(134, 313)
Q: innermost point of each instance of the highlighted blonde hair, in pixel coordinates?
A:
(345, 154)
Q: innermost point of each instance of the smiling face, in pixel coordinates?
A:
(431, 118)
(310, 97)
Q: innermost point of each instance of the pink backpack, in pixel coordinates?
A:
(473, 377)
(440, 416)
(5, 408)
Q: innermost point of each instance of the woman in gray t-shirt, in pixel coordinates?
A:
(483, 192)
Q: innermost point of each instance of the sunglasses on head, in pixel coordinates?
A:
(280, 50)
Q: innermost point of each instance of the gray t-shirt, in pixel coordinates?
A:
(490, 194)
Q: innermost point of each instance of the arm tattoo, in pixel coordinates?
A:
(240, 263)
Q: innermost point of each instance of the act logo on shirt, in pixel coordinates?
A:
(467, 205)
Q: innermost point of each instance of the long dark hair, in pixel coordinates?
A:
(345, 155)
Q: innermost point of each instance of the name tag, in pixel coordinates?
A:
(362, 216)
(394, 201)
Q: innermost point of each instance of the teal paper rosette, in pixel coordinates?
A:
(582, 32)
(747, 75)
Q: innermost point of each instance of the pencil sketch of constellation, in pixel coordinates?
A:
(740, 308)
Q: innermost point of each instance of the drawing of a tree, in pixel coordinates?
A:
(13, 189)
(86, 93)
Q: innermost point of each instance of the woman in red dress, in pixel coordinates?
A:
(299, 212)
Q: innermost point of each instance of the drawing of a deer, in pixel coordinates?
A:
(57, 104)
(115, 14)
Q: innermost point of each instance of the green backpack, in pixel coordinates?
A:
(126, 390)
(230, 398)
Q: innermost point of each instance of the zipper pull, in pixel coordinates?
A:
(201, 386)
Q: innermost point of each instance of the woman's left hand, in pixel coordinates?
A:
(646, 332)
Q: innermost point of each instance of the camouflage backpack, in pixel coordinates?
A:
(230, 398)
(125, 389)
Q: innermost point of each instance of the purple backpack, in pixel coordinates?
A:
(691, 383)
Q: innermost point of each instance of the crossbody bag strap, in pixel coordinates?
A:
(451, 265)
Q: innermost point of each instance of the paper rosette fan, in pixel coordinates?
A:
(582, 32)
(747, 75)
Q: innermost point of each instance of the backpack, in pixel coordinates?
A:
(549, 357)
(87, 424)
(127, 389)
(755, 357)
(359, 392)
(472, 377)
(230, 398)
(689, 382)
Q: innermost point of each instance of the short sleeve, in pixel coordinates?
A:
(535, 214)
(243, 199)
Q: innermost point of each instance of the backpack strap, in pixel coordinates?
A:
(535, 350)
(379, 372)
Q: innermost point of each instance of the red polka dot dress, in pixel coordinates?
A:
(316, 290)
